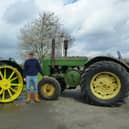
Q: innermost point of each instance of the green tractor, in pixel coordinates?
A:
(103, 80)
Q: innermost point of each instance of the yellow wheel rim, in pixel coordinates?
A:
(48, 90)
(105, 85)
(11, 83)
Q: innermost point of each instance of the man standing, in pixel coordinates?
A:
(31, 69)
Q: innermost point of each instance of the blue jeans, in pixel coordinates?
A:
(32, 81)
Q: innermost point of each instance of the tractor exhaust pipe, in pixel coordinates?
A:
(53, 54)
(65, 47)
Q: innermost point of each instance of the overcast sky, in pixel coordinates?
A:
(98, 26)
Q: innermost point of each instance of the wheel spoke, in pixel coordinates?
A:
(10, 93)
(14, 84)
(13, 89)
(11, 75)
(13, 79)
(1, 91)
(1, 75)
(3, 95)
(4, 72)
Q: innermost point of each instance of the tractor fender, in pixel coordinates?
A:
(106, 58)
(13, 64)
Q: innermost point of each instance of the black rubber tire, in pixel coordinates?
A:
(62, 83)
(105, 66)
(52, 81)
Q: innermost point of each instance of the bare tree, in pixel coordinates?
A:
(37, 35)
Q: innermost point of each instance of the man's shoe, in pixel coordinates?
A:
(28, 98)
(36, 98)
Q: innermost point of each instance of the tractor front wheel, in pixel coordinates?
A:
(105, 83)
(11, 84)
(49, 88)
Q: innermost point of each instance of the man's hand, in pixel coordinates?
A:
(24, 79)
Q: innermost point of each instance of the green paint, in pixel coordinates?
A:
(63, 61)
(70, 75)
(72, 78)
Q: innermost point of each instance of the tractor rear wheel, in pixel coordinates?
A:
(105, 83)
(49, 88)
(11, 83)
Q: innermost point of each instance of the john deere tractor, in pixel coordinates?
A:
(102, 80)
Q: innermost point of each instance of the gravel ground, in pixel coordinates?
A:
(69, 112)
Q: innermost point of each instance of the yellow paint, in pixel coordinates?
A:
(11, 84)
(48, 90)
(105, 85)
